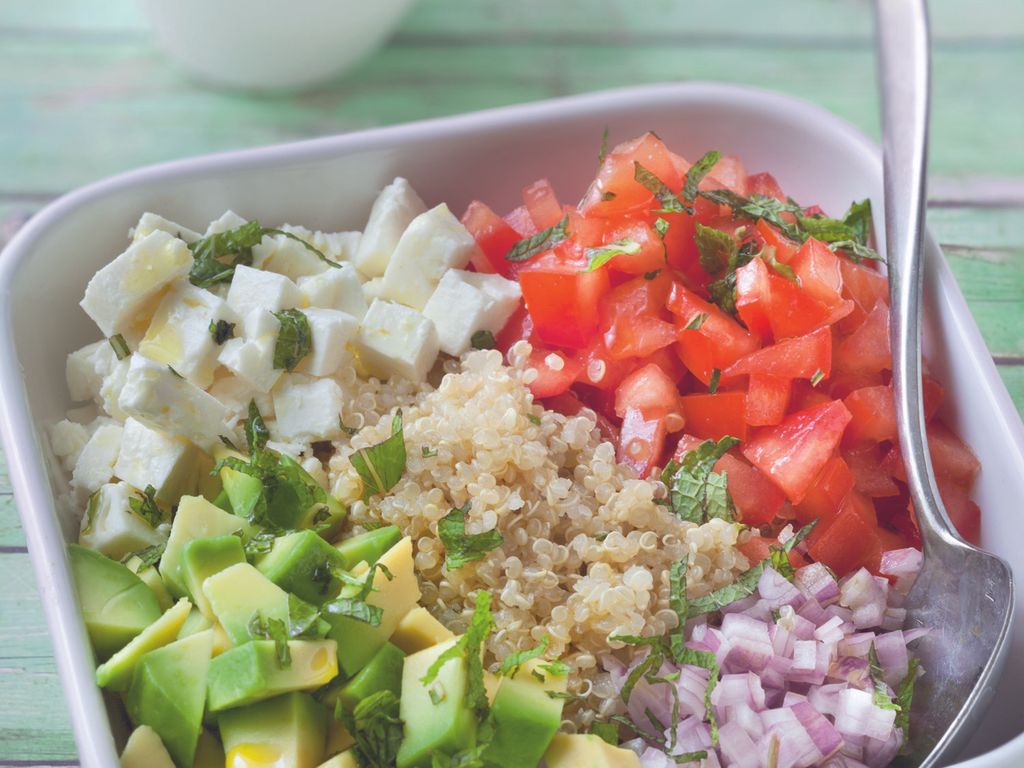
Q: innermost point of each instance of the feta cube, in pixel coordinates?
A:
(109, 525)
(151, 222)
(332, 332)
(433, 243)
(235, 393)
(160, 399)
(393, 210)
(255, 289)
(251, 356)
(110, 391)
(95, 465)
(457, 310)
(121, 297)
(397, 341)
(286, 256)
(153, 457)
(340, 289)
(504, 296)
(87, 367)
(228, 220)
(306, 409)
(179, 334)
(67, 439)
(338, 246)
(372, 289)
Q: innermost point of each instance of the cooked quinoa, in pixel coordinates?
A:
(586, 547)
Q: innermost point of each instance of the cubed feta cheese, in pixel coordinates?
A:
(95, 465)
(338, 246)
(397, 341)
(433, 243)
(161, 399)
(255, 289)
(393, 210)
(110, 391)
(87, 367)
(339, 289)
(332, 332)
(179, 334)
(67, 439)
(287, 256)
(151, 222)
(372, 289)
(109, 525)
(306, 409)
(121, 297)
(251, 356)
(228, 220)
(235, 393)
(504, 296)
(457, 310)
(153, 457)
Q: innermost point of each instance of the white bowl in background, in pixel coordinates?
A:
(271, 44)
(330, 183)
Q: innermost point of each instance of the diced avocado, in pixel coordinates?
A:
(168, 693)
(359, 641)
(384, 672)
(367, 547)
(196, 518)
(209, 752)
(252, 672)
(301, 563)
(201, 558)
(145, 750)
(447, 726)
(346, 759)
(221, 501)
(525, 717)
(338, 737)
(237, 593)
(288, 730)
(151, 578)
(243, 491)
(116, 604)
(116, 673)
(194, 622)
(575, 750)
(420, 630)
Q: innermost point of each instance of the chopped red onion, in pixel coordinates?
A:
(893, 618)
(857, 714)
(856, 644)
(915, 633)
(816, 582)
(831, 631)
(738, 749)
(776, 590)
(852, 670)
(893, 657)
(901, 562)
(824, 735)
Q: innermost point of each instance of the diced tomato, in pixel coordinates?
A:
(869, 476)
(826, 493)
(795, 451)
(795, 313)
(874, 416)
(845, 544)
(865, 286)
(754, 298)
(494, 236)
(542, 204)
(867, 349)
(714, 416)
(804, 395)
(680, 247)
(650, 391)
(963, 513)
(785, 248)
(641, 442)
(631, 318)
(728, 172)
(562, 300)
(819, 273)
(719, 341)
(555, 372)
(518, 327)
(800, 357)
(758, 548)
(767, 399)
(651, 253)
(765, 184)
(860, 504)
(599, 369)
(519, 219)
(951, 458)
(841, 383)
(616, 191)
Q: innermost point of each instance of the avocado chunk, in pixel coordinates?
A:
(151, 578)
(194, 622)
(168, 693)
(116, 604)
(572, 751)
(116, 673)
(201, 558)
(302, 563)
(145, 750)
(253, 672)
(447, 726)
(288, 730)
(419, 630)
(238, 593)
(196, 518)
(357, 640)
(367, 547)
(383, 673)
(525, 717)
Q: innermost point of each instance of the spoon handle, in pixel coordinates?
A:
(904, 64)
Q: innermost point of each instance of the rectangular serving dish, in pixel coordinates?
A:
(330, 183)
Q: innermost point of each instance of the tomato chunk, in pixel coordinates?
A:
(794, 452)
(650, 391)
(715, 416)
(796, 313)
(963, 513)
(562, 300)
(765, 184)
(641, 442)
(754, 298)
(845, 544)
(867, 350)
(819, 273)
(542, 204)
(555, 372)
(767, 399)
(717, 343)
(494, 236)
(827, 492)
(874, 416)
(616, 191)
(800, 357)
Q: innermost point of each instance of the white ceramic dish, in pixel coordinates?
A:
(330, 183)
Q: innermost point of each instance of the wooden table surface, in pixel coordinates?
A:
(84, 94)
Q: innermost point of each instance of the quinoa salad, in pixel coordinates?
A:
(612, 484)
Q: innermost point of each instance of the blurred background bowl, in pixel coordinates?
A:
(271, 45)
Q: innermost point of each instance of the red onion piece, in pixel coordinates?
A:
(857, 714)
(816, 582)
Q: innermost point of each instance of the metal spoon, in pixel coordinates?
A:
(963, 594)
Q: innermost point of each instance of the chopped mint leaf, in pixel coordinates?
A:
(879, 690)
(696, 322)
(256, 432)
(259, 544)
(905, 696)
(460, 547)
(216, 256)
(534, 418)
(304, 620)
(661, 227)
(174, 372)
(359, 610)
(309, 247)
(272, 629)
(717, 249)
(294, 339)
(226, 441)
(696, 174)
(149, 556)
(542, 241)
(778, 557)
(607, 196)
(744, 586)
(376, 728)
(510, 664)
(706, 660)
(146, 507)
(482, 340)
(670, 203)
(858, 252)
(678, 602)
(555, 668)
(381, 466)
(429, 453)
(603, 153)
(858, 219)
(600, 255)
(716, 376)
(784, 270)
(696, 493)
(816, 377)
(221, 331)
(120, 346)
(607, 732)
(90, 512)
